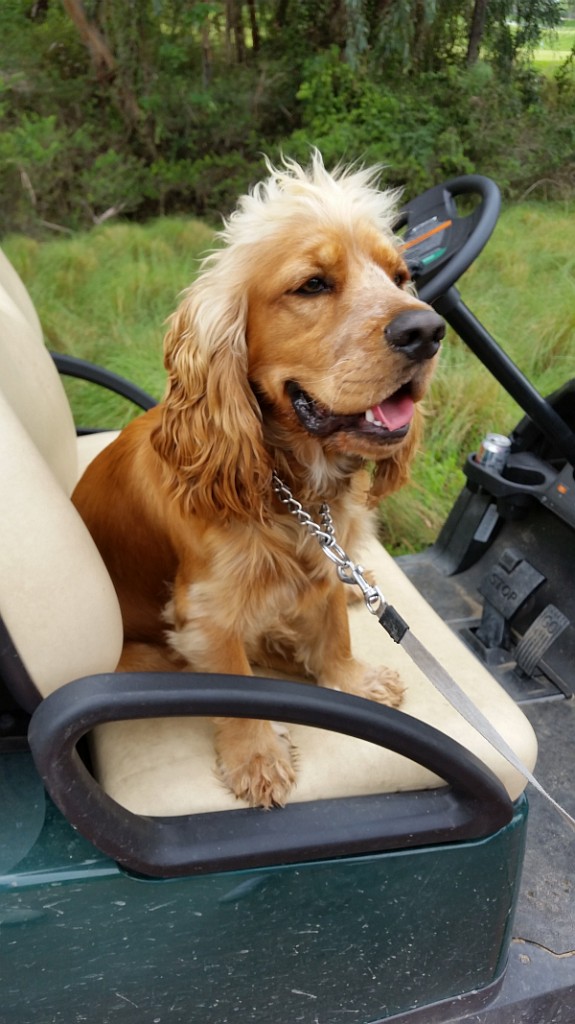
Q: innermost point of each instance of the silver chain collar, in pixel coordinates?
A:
(324, 532)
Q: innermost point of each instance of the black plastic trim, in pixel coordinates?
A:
(474, 804)
(14, 673)
(451, 306)
(72, 366)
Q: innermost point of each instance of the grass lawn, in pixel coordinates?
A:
(555, 47)
(106, 295)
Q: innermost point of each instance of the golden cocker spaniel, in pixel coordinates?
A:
(299, 349)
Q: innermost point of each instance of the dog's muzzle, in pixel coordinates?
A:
(417, 333)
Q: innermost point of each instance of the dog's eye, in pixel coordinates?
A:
(401, 278)
(313, 286)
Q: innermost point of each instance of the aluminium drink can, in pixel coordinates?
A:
(493, 451)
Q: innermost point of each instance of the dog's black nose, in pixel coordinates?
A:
(417, 333)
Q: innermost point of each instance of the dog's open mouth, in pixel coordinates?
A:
(387, 421)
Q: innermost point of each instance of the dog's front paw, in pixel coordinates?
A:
(381, 684)
(374, 683)
(256, 763)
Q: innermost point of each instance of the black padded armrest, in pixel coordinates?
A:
(473, 804)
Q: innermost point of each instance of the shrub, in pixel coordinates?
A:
(440, 124)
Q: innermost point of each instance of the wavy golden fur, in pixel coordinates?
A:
(300, 348)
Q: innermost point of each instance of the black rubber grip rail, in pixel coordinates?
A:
(473, 804)
(81, 369)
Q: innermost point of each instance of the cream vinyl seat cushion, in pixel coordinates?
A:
(169, 764)
(61, 610)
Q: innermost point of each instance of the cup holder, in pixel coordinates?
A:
(524, 476)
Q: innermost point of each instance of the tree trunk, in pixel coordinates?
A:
(254, 25)
(105, 64)
(337, 25)
(476, 31)
(281, 13)
(206, 53)
(102, 57)
(38, 10)
(420, 33)
(235, 28)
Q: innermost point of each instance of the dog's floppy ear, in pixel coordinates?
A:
(393, 472)
(211, 432)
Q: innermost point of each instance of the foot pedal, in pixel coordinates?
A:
(542, 633)
(505, 588)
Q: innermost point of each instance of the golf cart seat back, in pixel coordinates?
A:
(61, 613)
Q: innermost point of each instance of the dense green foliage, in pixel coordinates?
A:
(105, 294)
(144, 107)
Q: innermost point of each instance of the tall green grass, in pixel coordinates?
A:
(105, 296)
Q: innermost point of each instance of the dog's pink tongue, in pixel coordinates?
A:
(395, 412)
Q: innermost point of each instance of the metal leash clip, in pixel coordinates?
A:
(372, 595)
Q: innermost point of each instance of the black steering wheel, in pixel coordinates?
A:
(439, 244)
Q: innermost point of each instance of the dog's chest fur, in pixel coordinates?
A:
(279, 583)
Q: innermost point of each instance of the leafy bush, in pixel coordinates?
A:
(348, 115)
(439, 124)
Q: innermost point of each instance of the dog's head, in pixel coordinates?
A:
(301, 336)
